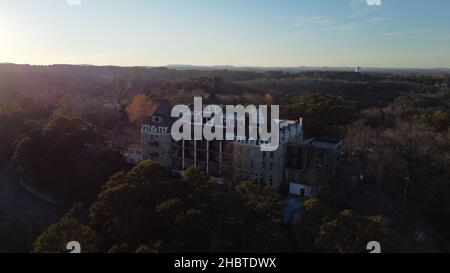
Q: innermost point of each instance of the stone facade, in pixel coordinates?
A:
(231, 161)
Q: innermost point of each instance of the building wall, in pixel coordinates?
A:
(134, 154)
(156, 142)
(265, 168)
(301, 190)
(233, 160)
(165, 150)
(309, 163)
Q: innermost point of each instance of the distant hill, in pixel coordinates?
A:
(309, 68)
(105, 71)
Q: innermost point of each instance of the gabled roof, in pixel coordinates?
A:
(164, 108)
(212, 100)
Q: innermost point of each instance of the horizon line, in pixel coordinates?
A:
(235, 66)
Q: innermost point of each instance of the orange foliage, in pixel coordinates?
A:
(139, 109)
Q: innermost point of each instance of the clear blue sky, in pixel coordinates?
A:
(386, 33)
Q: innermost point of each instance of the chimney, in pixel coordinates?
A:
(300, 120)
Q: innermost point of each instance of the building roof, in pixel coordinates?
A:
(212, 100)
(164, 108)
(326, 143)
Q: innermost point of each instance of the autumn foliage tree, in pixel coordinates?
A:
(139, 109)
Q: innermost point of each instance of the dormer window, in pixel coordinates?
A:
(157, 119)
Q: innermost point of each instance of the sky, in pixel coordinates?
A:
(283, 33)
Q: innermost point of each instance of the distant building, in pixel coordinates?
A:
(358, 69)
(442, 85)
(111, 104)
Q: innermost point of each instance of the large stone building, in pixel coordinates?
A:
(228, 161)
(294, 162)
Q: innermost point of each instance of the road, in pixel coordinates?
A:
(15, 201)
